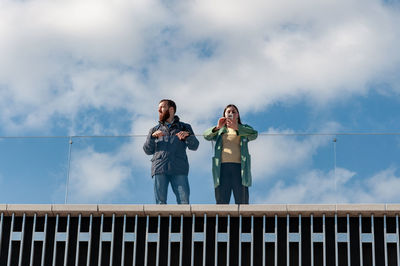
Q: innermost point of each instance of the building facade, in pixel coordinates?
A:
(337, 234)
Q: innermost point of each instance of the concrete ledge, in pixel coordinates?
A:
(213, 209)
(166, 210)
(364, 209)
(314, 209)
(392, 209)
(201, 209)
(120, 209)
(263, 209)
(29, 209)
(3, 208)
(74, 209)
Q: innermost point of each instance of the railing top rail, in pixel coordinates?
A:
(201, 209)
(200, 135)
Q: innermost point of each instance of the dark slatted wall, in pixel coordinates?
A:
(199, 240)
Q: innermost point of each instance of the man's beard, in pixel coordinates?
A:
(164, 116)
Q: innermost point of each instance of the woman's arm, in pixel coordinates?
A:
(211, 133)
(247, 131)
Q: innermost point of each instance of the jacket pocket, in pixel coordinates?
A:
(216, 169)
(156, 156)
(246, 171)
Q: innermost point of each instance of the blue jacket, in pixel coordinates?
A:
(169, 153)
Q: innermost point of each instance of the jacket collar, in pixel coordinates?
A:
(223, 129)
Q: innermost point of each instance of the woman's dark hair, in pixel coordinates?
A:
(237, 110)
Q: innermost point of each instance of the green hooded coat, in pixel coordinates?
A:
(246, 133)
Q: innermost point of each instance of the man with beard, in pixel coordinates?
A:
(167, 142)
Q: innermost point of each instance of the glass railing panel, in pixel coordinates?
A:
(116, 170)
(106, 170)
(33, 170)
(288, 168)
(368, 168)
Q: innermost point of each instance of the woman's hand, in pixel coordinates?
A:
(221, 122)
(232, 123)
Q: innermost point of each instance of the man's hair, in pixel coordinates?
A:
(170, 103)
(237, 110)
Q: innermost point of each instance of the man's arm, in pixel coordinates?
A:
(191, 141)
(150, 145)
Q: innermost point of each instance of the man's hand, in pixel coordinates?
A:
(157, 134)
(182, 135)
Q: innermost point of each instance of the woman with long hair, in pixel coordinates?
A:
(231, 162)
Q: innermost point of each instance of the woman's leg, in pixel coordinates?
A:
(223, 191)
(240, 192)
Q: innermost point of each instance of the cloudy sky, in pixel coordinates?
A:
(302, 73)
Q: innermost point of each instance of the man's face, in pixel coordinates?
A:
(163, 111)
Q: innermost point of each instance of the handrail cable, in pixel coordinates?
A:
(200, 135)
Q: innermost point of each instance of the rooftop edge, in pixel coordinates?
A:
(200, 209)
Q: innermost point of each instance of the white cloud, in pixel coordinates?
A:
(97, 176)
(383, 186)
(59, 58)
(316, 186)
(312, 187)
(276, 150)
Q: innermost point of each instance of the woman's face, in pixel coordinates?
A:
(231, 111)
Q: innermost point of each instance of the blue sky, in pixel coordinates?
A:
(99, 68)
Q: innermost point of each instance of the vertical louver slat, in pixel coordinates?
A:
(152, 238)
(129, 237)
(106, 237)
(83, 237)
(21, 246)
(38, 236)
(175, 237)
(390, 238)
(1, 229)
(198, 237)
(367, 238)
(61, 237)
(318, 237)
(246, 238)
(397, 242)
(294, 237)
(270, 238)
(341, 237)
(10, 241)
(18, 237)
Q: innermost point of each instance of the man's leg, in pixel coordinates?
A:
(161, 188)
(180, 186)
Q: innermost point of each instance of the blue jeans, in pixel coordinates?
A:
(179, 184)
